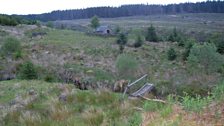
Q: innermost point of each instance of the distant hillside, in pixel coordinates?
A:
(132, 10)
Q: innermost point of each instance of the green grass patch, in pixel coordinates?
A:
(196, 104)
(166, 111)
(96, 74)
(135, 120)
(126, 65)
(218, 92)
(152, 106)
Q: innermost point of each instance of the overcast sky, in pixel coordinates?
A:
(42, 6)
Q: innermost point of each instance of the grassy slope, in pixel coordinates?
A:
(190, 111)
(76, 50)
(81, 107)
(93, 108)
(81, 53)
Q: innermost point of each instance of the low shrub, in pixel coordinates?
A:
(28, 71)
(164, 87)
(11, 47)
(122, 39)
(49, 78)
(205, 57)
(117, 30)
(221, 70)
(126, 65)
(101, 75)
(36, 32)
(188, 45)
(181, 42)
(18, 55)
(173, 36)
(171, 54)
(138, 42)
(218, 40)
(218, 92)
(196, 103)
(50, 24)
(151, 35)
(193, 89)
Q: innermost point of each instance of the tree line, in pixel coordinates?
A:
(132, 10)
(14, 20)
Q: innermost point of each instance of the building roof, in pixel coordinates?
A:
(102, 28)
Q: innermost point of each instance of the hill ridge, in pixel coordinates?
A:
(131, 10)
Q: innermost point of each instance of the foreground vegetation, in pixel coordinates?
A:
(40, 103)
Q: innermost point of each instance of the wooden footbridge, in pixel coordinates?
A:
(145, 89)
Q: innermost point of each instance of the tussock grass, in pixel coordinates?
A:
(93, 117)
(30, 119)
(81, 108)
(105, 108)
(58, 111)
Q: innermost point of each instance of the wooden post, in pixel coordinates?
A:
(137, 80)
(129, 85)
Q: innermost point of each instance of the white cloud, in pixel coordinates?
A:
(41, 6)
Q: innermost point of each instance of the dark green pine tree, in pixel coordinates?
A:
(151, 34)
(121, 41)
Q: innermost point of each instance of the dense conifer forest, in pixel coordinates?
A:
(132, 10)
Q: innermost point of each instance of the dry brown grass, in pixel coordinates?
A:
(211, 116)
(93, 117)
(58, 111)
(30, 119)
